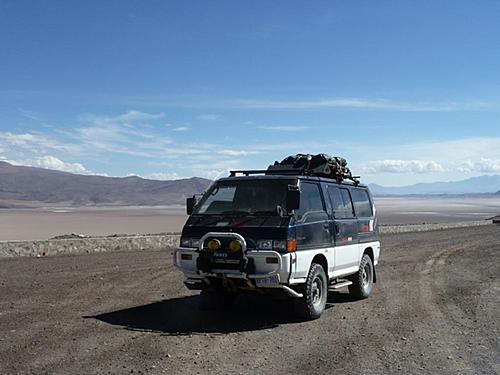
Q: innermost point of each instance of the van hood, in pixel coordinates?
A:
(221, 221)
(252, 228)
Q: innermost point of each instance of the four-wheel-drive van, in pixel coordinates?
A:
(279, 232)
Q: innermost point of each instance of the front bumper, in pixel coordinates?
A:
(265, 265)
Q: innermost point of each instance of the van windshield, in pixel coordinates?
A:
(244, 197)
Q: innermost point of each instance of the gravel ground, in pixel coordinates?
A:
(434, 310)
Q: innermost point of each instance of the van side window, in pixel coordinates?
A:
(310, 200)
(341, 202)
(348, 211)
(362, 205)
(337, 202)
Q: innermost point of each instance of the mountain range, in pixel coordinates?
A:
(28, 186)
(476, 185)
(22, 186)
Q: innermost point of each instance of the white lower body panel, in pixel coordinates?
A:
(341, 260)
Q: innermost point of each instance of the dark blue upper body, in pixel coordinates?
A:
(330, 213)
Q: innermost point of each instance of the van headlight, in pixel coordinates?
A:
(235, 246)
(265, 244)
(190, 242)
(279, 245)
(214, 244)
(271, 245)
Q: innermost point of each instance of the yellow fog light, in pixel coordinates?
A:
(235, 245)
(214, 244)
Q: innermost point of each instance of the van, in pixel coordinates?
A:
(292, 235)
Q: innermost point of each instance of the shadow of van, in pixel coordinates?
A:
(184, 316)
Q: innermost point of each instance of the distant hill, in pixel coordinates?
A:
(474, 185)
(27, 185)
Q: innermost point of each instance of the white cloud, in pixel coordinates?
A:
(180, 129)
(136, 115)
(18, 139)
(236, 152)
(402, 166)
(359, 103)
(483, 166)
(102, 138)
(21, 139)
(51, 162)
(455, 156)
(215, 174)
(284, 128)
(29, 114)
(209, 117)
(162, 176)
(120, 134)
(454, 151)
(97, 136)
(33, 142)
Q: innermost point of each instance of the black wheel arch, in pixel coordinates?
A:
(369, 252)
(321, 260)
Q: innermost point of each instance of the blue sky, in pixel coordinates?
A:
(407, 91)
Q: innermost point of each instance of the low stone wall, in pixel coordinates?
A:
(88, 245)
(160, 242)
(407, 228)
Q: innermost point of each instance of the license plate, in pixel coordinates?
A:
(226, 261)
(273, 280)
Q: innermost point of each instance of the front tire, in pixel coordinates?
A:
(313, 302)
(362, 281)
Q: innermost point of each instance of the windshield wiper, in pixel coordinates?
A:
(237, 213)
(265, 212)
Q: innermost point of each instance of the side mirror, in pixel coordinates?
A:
(292, 199)
(190, 203)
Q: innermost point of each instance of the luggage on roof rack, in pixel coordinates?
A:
(320, 165)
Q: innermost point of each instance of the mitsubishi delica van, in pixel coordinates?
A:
(281, 232)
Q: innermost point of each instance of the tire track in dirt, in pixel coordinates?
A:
(440, 325)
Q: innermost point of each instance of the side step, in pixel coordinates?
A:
(340, 285)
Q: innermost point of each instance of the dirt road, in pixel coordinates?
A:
(435, 309)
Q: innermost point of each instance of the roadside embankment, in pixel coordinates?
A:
(79, 245)
(407, 228)
(88, 245)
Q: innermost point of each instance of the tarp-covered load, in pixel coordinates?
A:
(321, 165)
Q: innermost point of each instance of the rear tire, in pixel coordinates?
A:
(313, 302)
(362, 281)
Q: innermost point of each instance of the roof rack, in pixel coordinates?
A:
(293, 172)
(252, 171)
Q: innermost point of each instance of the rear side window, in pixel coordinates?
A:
(310, 200)
(362, 205)
(341, 202)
